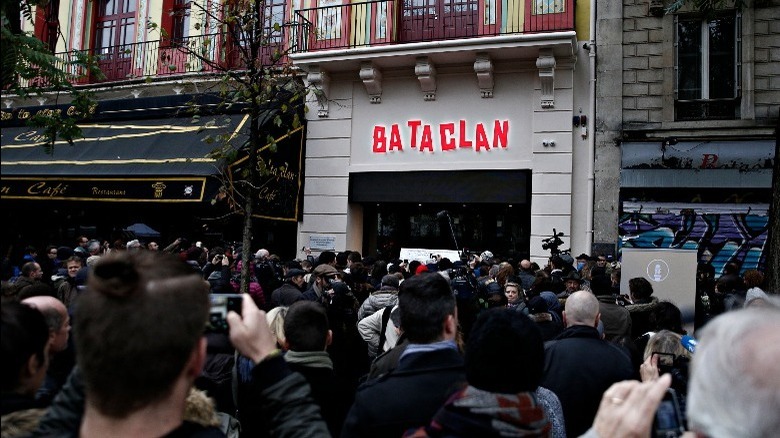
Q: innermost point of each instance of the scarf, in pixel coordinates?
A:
(473, 412)
(314, 359)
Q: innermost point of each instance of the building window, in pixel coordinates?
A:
(180, 16)
(708, 68)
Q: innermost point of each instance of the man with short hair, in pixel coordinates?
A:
(290, 291)
(526, 274)
(579, 366)
(31, 274)
(58, 321)
(429, 370)
(307, 335)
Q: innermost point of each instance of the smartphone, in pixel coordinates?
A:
(665, 362)
(669, 421)
(221, 304)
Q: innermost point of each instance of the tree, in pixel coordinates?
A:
(254, 76)
(29, 68)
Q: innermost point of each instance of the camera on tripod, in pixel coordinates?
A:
(553, 243)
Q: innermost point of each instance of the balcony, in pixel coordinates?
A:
(383, 22)
(158, 59)
(417, 27)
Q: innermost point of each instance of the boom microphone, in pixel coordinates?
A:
(442, 214)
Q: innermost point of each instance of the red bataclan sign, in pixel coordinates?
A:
(444, 136)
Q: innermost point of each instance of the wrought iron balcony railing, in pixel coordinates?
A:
(382, 22)
(370, 23)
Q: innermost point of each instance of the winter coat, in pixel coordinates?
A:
(420, 385)
(386, 296)
(616, 318)
(285, 295)
(578, 367)
(370, 330)
(640, 316)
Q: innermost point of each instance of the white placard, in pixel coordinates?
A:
(424, 255)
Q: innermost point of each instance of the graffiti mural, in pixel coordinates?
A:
(719, 238)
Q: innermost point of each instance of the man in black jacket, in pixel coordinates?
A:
(429, 370)
(579, 366)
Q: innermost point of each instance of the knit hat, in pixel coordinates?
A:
(753, 294)
(421, 269)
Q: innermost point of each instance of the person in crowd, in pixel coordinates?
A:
(579, 365)
(525, 274)
(756, 297)
(572, 282)
(431, 361)
(386, 296)
(25, 361)
(640, 293)
(553, 305)
(320, 290)
(141, 388)
(515, 296)
(731, 287)
(665, 353)
(733, 390)
(275, 318)
(30, 275)
(67, 289)
(616, 318)
(291, 290)
(548, 325)
(50, 264)
(306, 337)
(217, 271)
(504, 361)
(379, 331)
(61, 361)
(388, 361)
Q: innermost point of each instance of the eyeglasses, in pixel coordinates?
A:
(53, 253)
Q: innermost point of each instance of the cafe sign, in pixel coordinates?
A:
(157, 190)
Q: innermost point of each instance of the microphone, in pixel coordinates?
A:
(689, 343)
(442, 214)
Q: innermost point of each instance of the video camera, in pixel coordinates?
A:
(553, 243)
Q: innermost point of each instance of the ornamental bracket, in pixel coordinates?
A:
(372, 79)
(546, 65)
(483, 67)
(426, 74)
(321, 84)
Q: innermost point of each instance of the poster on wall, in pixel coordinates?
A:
(671, 272)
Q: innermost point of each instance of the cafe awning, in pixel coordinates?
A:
(153, 160)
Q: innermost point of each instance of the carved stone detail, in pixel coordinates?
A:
(372, 79)
(546, 65)
(321, 82)
(483, 67)
(426, 74)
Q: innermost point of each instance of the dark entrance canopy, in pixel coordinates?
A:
(154, 160)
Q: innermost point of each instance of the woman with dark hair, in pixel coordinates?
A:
(25, 361)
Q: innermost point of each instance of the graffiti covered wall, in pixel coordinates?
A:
(719, 238)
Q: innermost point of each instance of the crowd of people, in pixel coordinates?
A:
(353, 346)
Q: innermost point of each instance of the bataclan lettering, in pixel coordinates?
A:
(444, 136)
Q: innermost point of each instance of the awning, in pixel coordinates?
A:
(157, 160)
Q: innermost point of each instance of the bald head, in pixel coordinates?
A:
(582, 308)
(57, 319)
(525, 264)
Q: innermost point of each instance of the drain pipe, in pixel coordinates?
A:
(591, 127)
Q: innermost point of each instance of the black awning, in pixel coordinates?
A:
(159, 160)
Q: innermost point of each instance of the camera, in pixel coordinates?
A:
(553, 243)
(668, 421)
(221, 304)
